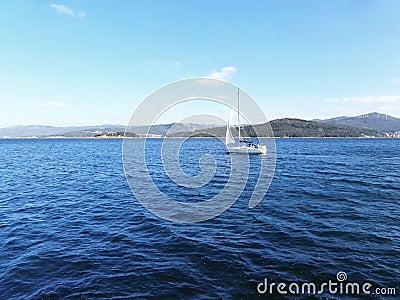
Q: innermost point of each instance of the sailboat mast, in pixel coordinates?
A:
(238, 114)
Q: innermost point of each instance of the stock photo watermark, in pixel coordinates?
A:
(338, 286)
(135, 151)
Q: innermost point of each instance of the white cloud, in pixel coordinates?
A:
(53, 104)
(226, 73)
(352, 106)
(396, 79)
(379, 99)
(366, 99)
(65, 10)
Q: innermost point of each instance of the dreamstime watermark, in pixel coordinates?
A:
(137, 152)
(340, 286)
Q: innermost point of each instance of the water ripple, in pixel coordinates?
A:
(70, 227)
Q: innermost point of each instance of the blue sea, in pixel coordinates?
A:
(70, 227)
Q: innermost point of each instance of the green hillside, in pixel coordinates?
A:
(288, 128)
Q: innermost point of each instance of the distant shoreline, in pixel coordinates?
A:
(369, 125)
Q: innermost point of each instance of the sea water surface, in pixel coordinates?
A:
(70, 227)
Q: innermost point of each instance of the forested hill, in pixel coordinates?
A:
(374, 121)
(289, 128)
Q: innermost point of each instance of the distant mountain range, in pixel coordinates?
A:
(372, 124)
(40, 130)
(170, 129)
(289, 128)
(97, 130)
(373, 121)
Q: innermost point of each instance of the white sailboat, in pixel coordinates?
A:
(244, 147)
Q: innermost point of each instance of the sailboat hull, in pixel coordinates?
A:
(259, 149)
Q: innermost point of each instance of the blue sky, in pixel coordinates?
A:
(92, 62)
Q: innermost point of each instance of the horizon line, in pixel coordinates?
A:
(118, 124)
